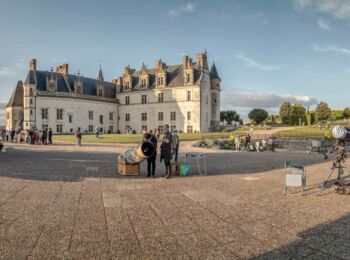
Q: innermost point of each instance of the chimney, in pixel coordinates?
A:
(201, 60)
(32, 64)
(62, 69)
(187, 62)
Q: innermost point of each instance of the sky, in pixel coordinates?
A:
(266, 51)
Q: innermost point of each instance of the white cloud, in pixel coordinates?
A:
(186, 8)
(323, 24)
(332, 48)
(262, 100)
(337, 8)
(253, 63)
(7, 72)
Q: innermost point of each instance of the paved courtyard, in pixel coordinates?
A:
(65, 202)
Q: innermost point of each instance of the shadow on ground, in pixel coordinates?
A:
(330, 240)
(76, 165)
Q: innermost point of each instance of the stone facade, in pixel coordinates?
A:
(186, 97)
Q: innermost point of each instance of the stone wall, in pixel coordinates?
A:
(301, 144)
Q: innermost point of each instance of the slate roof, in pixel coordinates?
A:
(175, 76)
(89, 84)
(16, 99)
(213, 72)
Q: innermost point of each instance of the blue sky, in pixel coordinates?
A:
(266, 51)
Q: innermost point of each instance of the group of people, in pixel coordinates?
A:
(32, 136)
(249, 144)
(169, 147)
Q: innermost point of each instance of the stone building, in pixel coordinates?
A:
(186, 97)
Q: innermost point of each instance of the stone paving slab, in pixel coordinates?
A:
(73, 205)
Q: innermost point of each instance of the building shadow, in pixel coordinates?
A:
(330, 240)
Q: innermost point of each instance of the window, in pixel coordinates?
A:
(189, 129)
(127, 100)
(127, 117)
(70, 118)
(91, 115)
(172, 116)
(189, 115)
(143, 83)
(31, 101)
(59, 128)
(71, 130)
(161, 129)
(160, 97)
(160, 81)
(172, 127)
(206, 116)
(188, 78)
(101, 119)
(189, 96)
(144, 127)
(59, 114)
(31, 112)
(30, 92)
(44, 126)
(206, 99)
(160, 116)
(143, 99)
(127, 85)
(100, 92)
(78, 89)
(44, 113)
(143, 116)
(91, 128)
(111, 129)
(111, 116)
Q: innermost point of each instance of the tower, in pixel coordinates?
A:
(215, 82)
(100, 86)
(29, 97)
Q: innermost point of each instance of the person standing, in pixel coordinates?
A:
(166, 153)
(97, 132)
(50, 135)
(151, 161)
(44, 138)
(237, 142)
(12, 135)
(247, 142)
(7, 135)
(78, 137)
(175, 144)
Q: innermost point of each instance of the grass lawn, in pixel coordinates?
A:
(303, 132)
(136, 138)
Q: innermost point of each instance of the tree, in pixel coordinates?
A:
(229, 116)
(258, 115)
(322, 112)
(285, 111)
(346, 113)
(298, 114)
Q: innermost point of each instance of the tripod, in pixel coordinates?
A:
(339, 164)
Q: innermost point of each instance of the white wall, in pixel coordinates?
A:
(175, 100)
(79, 109)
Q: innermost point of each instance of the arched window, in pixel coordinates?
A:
(78, 89)
(100, 92)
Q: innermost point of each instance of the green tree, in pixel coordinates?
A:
(285, 111)
(322, 112)
(229, 116)
(298, 114)
(258, 115)
(346, 113)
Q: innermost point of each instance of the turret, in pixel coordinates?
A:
(215, 82)
(29, 97)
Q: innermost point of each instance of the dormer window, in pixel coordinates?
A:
(100, 92)
(160, 81)
(188, 78)
(143, 83)
(127, 85)
(78, 90)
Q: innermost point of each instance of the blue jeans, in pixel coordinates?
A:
(176, 153)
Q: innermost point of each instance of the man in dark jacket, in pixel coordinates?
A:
(151, 161)
(166, 152)
(50, 135)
